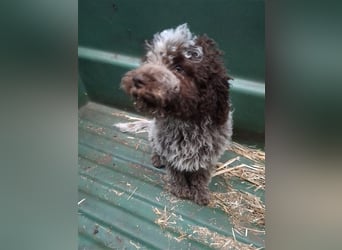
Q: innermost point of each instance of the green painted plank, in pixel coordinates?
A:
(238, 26)
(120, 190)
(86, 241)
(134, 146)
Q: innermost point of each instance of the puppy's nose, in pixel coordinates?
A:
(138, 81)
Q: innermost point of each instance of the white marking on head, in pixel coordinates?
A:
(171, 40)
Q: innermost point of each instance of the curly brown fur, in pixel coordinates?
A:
(183, 84)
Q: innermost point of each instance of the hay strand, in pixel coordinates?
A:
(244, 209)
(250, 153)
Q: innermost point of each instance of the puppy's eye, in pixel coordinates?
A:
(188, 54)
(178, 68)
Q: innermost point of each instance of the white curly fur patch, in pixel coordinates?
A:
(187, 146)
(171, 40)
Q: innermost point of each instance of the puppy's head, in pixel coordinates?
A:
(182, 75)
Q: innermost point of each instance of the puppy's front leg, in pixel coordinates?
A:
(198, 182)
(178, 183)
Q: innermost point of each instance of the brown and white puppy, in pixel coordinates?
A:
(183, 84)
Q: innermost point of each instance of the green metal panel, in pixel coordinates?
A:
(248, 100)
(123, 26)
(112, 35)
(119, 191)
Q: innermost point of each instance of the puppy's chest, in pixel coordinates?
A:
(179, 135)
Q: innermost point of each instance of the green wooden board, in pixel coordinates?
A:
(120, 192)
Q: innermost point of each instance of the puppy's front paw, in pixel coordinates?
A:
(201, 197)
(156, 161)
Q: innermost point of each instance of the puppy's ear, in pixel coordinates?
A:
(209, 46)
(215, 91)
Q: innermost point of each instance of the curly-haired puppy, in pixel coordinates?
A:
(183, 84)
